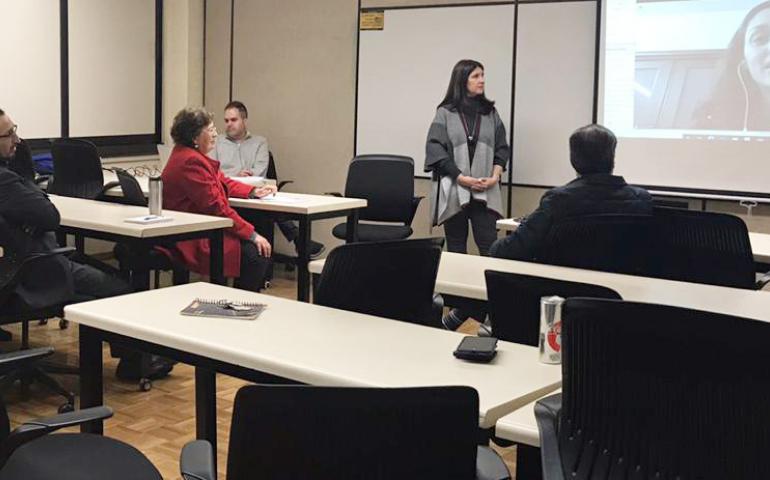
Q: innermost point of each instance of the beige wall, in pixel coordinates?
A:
(294, 66)
(182, 58)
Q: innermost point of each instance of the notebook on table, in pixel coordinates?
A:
(202, 307)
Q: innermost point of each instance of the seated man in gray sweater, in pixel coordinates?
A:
(595, 191)
(242, 154)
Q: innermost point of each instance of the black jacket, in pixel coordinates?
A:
(586, 195)
(30, 219)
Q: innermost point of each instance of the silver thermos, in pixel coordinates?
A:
(156, 196)
(550, 329)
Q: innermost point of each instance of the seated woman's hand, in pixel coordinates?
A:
(263, 191)
(263, 246)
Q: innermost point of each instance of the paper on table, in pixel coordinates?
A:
(146, 219)
(280, 198)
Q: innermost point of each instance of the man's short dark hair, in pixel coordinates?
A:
(592, 150)
(1, 112)
(238, 106)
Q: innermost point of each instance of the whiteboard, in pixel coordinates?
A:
(30, 87)
(404, 70)
(112, 67)
(556, 45)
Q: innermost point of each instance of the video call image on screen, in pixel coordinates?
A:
(695, 69)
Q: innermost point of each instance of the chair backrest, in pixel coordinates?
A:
(304, 432)
(619, 243)
(77, 169)
(387, 184)
(132, 191)
(21, 162)
(652, 389)
(271, 173)
(394, 279)
(513, 302)
(164, 151)
(704, 247)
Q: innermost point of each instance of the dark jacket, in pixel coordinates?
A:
(30, 219)
(586, 195)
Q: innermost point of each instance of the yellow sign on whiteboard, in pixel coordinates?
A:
(372, 20)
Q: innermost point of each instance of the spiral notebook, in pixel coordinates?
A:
(202, 307)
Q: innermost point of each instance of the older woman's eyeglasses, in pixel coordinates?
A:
(11, 132)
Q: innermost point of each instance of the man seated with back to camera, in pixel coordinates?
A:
(31, 219)
(242, 154)
(595, 191)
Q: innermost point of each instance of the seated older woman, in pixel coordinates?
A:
(194, 183)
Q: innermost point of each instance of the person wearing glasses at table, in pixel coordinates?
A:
(194, 182)
(32, 220)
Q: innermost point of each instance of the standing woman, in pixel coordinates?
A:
(193, 182)
(466, 151)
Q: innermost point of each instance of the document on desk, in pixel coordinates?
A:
(148, 219)
(277, 198)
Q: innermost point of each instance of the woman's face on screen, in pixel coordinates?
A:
(756, 48)
(476, 82)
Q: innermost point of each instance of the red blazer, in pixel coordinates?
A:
(193, 182)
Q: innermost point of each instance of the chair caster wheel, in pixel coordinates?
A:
(145, 384)
(267, 284)
(43, 321)
(67, 408)
(63, 324)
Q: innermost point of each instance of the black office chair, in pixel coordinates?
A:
(293, 432)
(607, 242)
(130, 261)
(272, 173)
(513, 302)
(77, 170)
(33, 452)
(705, 247)
(13, 268)
(387, 184)
(393, 279)
(657, 392)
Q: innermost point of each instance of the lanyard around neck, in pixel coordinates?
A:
(472, 134)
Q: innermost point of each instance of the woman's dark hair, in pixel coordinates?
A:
(188, 124)
(592, 149)
(457, 92)
(727, 92)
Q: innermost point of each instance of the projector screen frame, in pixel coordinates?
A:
(110, 145)
(702, 194)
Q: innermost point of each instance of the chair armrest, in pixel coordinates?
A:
(333, 194)
(197, 461)
(489, 465)
(37, 428)
(12, 360)
(107, 186)
(764, 280)
(415, 204)
(283, 184)
(547, 412)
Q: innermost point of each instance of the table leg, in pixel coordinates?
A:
(528, 463)
(216, 256)
(91, 371)
(303, 257)
(352, 227)
(206, 406)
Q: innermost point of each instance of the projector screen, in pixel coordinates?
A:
(685, 85)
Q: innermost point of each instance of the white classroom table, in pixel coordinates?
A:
(303, 208)
(106, 221)
(760, 242)
(462, 276)
(300, 342)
